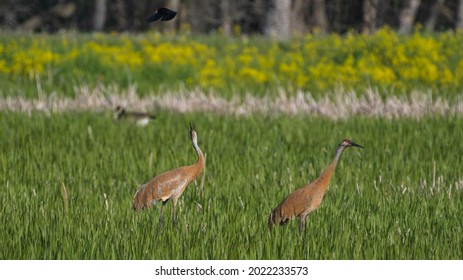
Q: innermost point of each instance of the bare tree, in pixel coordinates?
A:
(278, 17)
(233, 12)
(99, 17)
(435, 11)
(369, 16)
(202, 15)
(120, 14)
(174, 24)
(279, 23)
(407, 16)
(460, 16)
(49, 19)
(319, 14)
(227, 19)
(299, 13)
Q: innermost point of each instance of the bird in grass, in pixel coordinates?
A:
(139, 118)
(170, 184)
(307, 198)
(162, 14)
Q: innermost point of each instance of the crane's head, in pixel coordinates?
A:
(348, 143)
(193, 136)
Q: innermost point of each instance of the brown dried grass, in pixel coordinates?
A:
(339, 105)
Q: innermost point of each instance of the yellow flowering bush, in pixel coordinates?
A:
(29, 61)
(313, 62)
(211, 75)
(115, 55)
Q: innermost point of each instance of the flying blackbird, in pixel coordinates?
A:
(163, 14)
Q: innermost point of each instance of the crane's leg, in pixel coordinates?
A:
(302, 223)
(161, 219)
(174, 209)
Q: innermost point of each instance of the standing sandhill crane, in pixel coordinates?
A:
(170, 184)
(139, 118)
(307, 198)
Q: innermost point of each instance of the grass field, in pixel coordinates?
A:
(269, 116)
(67, 181)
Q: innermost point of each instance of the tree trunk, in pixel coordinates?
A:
(175, 23)
(227, 20)
(278, 21)
(435, 11)
(369, 16)
(460, 16)
(407, 16)
(319, 14)
(121, 14)
(298, 15)
(99, 18)
(184, 14)
(200, 14)
(49, 18)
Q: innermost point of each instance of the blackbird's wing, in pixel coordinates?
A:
(162, 14)
(168, 14)
(154, 17)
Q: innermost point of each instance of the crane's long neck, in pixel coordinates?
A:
(201, 162)
(325, 177)
(201, 159)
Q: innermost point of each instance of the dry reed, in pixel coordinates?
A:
(339, 105)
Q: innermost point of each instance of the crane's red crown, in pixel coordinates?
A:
(349, 143)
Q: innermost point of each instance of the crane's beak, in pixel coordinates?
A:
(191, 127)
(356, 145)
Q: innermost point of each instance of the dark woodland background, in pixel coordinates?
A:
(280, 18)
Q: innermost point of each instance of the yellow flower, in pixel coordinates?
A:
(3, 67)
(210, 75)
(252, 75)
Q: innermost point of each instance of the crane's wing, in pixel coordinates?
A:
(168, 185)
(292, 206)
(162, 187)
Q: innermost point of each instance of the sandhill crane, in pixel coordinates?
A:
(307, 198)
(170, 184)
(139, 118)
(163, 14)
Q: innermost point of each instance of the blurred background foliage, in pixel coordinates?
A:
(280, 18)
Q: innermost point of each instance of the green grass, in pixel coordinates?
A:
(399, 198)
